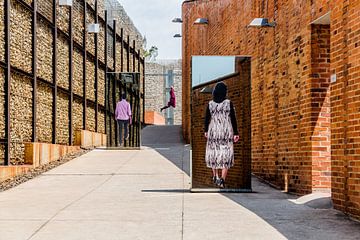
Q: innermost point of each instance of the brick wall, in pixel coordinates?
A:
(239, 93)
(21, 56)
(290, 88)
(345, 102)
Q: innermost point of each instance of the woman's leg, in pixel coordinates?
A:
(215, 175)
(224, 173)
(163, 108)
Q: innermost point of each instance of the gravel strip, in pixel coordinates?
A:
(13, 182)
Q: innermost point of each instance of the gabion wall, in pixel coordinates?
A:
(50, 92)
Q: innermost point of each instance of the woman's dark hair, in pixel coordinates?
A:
(219, 92)
(123, 96)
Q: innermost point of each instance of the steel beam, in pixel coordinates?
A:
(54, 110)
(8, 83)
(106, 70)
(34, 70)
(84, 69)
(114, 85)
(71, 74)
(96, 39)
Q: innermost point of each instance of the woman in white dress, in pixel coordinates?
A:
(221, 133)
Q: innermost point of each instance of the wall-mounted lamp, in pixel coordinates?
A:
(261, 22)
(177, 20)
(201, 21)
(65, 3)
(93, 28)
(178, 35)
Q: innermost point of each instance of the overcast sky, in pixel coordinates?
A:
(153, 19)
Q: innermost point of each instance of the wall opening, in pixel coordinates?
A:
(320, 104)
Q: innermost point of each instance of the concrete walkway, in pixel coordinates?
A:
(144, 194)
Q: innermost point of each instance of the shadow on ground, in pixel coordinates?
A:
(167, 141)
(314, 219)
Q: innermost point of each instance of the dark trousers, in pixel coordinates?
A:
(123, 124)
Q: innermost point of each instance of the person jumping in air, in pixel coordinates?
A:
(221, 133)
(172, 100)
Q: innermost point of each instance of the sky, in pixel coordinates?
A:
(154, 18)
(208, 68)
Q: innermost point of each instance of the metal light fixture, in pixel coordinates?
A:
(177, 20)
(261, 22)
(178, 35)
(65, 3)
(93, 28)
(201, 21)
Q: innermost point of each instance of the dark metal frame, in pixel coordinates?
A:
(34, 70)
(8, 82)
(54, 111)
(106, 70)
(71, 75)
(96, 38)
(84, 69)
(114, 85)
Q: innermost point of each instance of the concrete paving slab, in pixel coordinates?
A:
(144, 194)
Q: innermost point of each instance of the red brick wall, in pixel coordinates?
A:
(345, 106)
(320, 103)
(290, 87)
(239, 93)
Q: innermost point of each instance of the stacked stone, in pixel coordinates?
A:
(108, 129)
(101, 43)
(2, 154)
(118, 57)
(45, 8)
(78, 21)
(78, 72)
(63, 16)
(101, 9)
(44, 51)
(29, 2)
(2, 32)
(2, 106)
(90, 118)
(125, 60)
(101, 87)
(90, 40)
(63, 63)
(90, 79)
(44, 114)
(154, 87)
(77, 116)
(91, 3)
(21, 115)
(101, 122)
(21, 42)
(62, 119)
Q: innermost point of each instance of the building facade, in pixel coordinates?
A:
(159, 77)
(304, 88)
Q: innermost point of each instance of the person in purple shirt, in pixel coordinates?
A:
(123, 117)
(172, 101)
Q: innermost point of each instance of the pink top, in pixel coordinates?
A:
(172, 100)
(123, 110)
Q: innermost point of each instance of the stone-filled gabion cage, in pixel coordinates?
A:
(53, 78)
